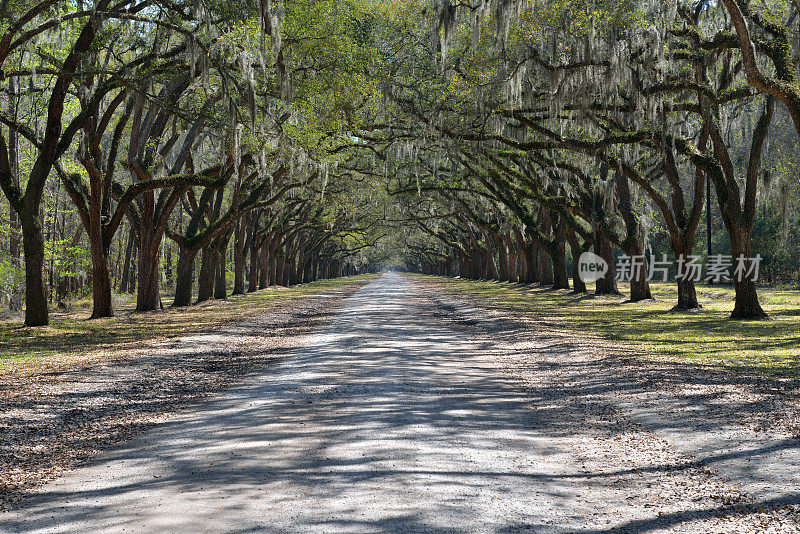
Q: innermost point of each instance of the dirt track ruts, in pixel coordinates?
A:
(392, 419)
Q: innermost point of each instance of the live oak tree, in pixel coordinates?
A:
(23, 25)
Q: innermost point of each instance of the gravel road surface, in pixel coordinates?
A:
(392, 420)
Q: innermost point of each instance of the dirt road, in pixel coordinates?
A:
(390, 421)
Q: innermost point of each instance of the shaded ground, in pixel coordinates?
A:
(412, 412)
(705, 336)
(56, 412)
(739, 429)
(71, 339)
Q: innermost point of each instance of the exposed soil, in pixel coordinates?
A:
(53, 421)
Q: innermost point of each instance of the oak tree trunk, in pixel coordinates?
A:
(252, 283)
(184, 277)
(221, 282)
(687, 295)
(687, 292)
(101, 283)
(265, 270)
(126, 264)
(578, 285)
(502, 259)
(238, 257)
(205, 280)
(36, 313)
(534, 272)
(608, 284)
(640, 286)
(148, 296)
(545, 267)
(746, 306)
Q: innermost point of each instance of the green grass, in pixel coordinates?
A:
(70, 336)
(704, 337)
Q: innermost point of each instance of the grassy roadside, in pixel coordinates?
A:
(703, 337)
(70, 336)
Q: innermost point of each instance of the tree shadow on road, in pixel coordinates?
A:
(395, 420)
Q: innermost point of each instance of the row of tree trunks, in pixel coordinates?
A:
(520, 256)
(513, 255)
(274, 260)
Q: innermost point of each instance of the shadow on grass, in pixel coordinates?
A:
(74, 334)
(654, 327)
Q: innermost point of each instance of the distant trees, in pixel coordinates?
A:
(579, 123)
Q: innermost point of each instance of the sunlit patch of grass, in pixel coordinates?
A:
(705, 336)
(70, 335)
